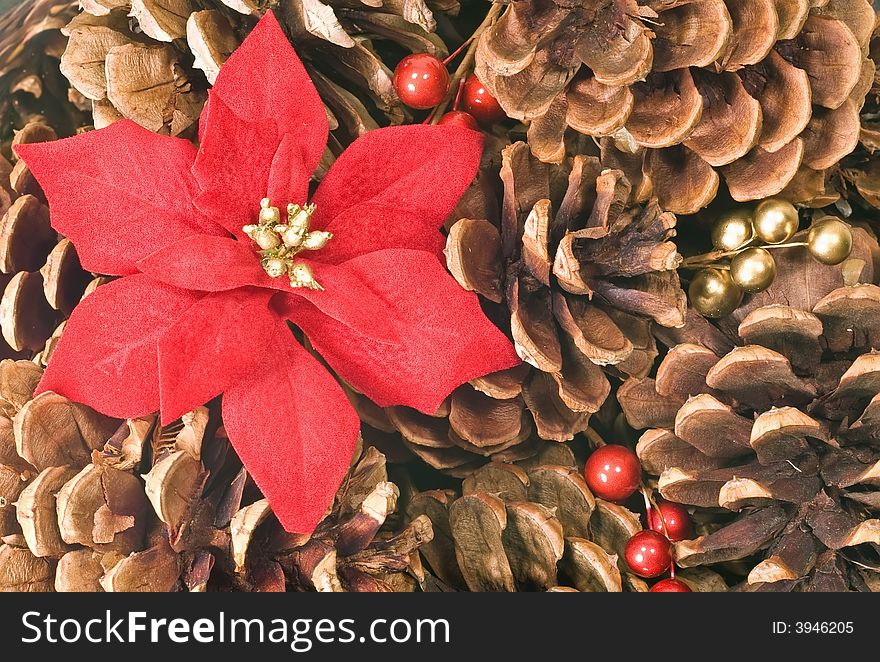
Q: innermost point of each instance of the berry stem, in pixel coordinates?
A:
(790, 244)
(430, 116)
(458, 50)
(594, 438)
(467, 61)
(649, 510)
(710, 259)
(458, 94)
(650, 506)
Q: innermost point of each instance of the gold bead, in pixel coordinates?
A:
(265, 238)
(830, 240)
(776, 220)
(293, 237)
(275, 267)
(316, 240)
(299, 217)
(269, 215)
(733, 230)
(301, 275)
(753, 270)
(713, 293)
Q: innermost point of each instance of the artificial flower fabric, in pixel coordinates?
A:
(194, 313)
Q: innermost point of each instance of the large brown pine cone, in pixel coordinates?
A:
(89, 504)
(40, 273)
(858, 176)
(350, 550)
(31, 85)
(775, 443)
(152, 61)
(576, 275)
(533, 525)
(765, 91)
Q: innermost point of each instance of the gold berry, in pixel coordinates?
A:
(316, 240)
(713, 293)
(268, 213)
(301, 275)
(830, 240)
(733, 230)
(753, 269)
(299, 217)
(275, 267)
(775, 220)
(293, 237)
(265, 238)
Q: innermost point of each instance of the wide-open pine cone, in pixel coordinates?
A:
(576, 275)
(765, 91)
(152, 61)
(776, 443)
(89, 504)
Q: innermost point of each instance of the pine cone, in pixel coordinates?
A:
(45, 449)
(775, 442)
(40, 273)
(530, 526)
(353, 548)
(153, 61)
(857, 178)
(76, 513)
(761, 90)
(224, 545)
(576, 275)
(31, 85)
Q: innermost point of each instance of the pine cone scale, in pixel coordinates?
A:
(744, 87)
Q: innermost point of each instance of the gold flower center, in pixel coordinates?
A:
(280, 243)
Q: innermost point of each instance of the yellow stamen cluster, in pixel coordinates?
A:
(280, 243)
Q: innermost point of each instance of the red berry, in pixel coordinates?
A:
(670, 586)
(613, 472)
(459, 118)
(478, 102)
(421, 81)
(648, 553)
(675, 517)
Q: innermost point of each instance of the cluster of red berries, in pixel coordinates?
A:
(422, 81)
(613, 473)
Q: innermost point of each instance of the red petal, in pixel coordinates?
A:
(107, 357)
(393, 188)
(350, 296)
(118, 193)
(209, 264)
(213, 346)
(232, 167)
(444, 337)
(263, 115)
(295, 432)
(292, 167)
(214, 264)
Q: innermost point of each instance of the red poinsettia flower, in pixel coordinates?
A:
(200, 307)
